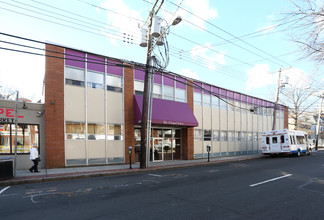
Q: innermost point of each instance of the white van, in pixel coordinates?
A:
(285, 142)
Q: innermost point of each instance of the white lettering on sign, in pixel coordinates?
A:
(173, 123)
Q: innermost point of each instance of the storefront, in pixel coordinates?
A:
(29, 131)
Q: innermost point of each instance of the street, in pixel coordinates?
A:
(268, 188)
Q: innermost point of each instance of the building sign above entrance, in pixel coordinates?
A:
(7, 115)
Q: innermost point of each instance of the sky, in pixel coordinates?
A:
(237, 45)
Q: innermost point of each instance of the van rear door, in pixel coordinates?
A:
(275, 144)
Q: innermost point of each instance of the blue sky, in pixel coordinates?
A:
(207, 45)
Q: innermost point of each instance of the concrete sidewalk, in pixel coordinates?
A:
(24, 176)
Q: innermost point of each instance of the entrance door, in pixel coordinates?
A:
(157, 151)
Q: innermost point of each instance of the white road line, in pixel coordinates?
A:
(4, 189)
(267, 181)
(155, 175)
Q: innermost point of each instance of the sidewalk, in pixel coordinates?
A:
(24, 176)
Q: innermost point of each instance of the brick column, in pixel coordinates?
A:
(129, 111)
(188, 133)
(286, 117)
(54, 107)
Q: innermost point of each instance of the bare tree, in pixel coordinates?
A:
(7, 93)
(307, 16)
(299, 101)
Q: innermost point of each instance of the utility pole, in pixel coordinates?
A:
(16, 128)
(148, 72)
(276, 102)
(318, 122)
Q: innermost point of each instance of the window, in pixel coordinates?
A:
(198, 134)
(274, 140)
(231, 105)
(215, 135)
(168, 92)
(74, 76)
(223, 103)
(96, 131)
(114, 83)
(237, 135)
(207, 100)
(197, 98)
(282, 139)
(255, 136)
(215, 102)
(250, 138)
(157, 91)
(267, 140)
(95, 80)
(27, 135)
(237, 106)
(207, 135)
(115, 132)
(181, 95)
(300, 139)
(230, 135)
(223, 136)
(75, 130)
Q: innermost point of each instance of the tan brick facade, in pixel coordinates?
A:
(129, 112)
(54, 107)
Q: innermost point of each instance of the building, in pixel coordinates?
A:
(93, 108)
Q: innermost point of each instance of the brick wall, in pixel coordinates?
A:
(286, 117)
(129, 112)
(188, 133)
(54, 108)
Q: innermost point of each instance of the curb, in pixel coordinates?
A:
(89, 174)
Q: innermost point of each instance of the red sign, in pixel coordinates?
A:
(9, 113)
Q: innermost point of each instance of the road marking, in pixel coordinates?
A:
(4, 189)
(155, 175)
(267, 181)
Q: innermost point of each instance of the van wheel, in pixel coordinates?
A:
(298, 153)
(309, 151)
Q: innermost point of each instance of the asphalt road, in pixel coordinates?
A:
(266, 188)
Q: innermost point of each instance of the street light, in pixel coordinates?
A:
(148, 81)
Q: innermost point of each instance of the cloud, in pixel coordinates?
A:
(188, 73)
(200, 8)
(209, 58)
(118, 22)
(259, 76)
(296, 77)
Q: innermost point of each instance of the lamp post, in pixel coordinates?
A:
(148, 84)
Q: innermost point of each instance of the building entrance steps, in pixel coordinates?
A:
(24, 176)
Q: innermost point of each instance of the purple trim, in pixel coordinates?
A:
(223, 93)
(180, 85)
(166, 112)
(158, 78)
(74, 58)
(197, 86)
(215, 90)
(206, 87)
(264, 103)
(167, 80)
(139, 74)
(249, 100)
(96, 63)
(255, 101)
(244, 98)
(230, 94)
(115, 70)
(237, 96)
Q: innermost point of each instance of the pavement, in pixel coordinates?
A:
(25, 176)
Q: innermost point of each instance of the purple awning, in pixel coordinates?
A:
(165, 112)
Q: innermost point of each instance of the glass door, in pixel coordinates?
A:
(157, 150)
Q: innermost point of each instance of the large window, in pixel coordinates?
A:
(168, 92)
(215, 135)
(198, 134)
(181, 95)
(215, 101)
(197, 98)
(95, 80)
(96, 131)
(223, 136)
(27, 135)
(207, 100)
(114, 83)
(157, 91)
(115, 132)
(75, 130)
(74, 76)
(207, 135)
